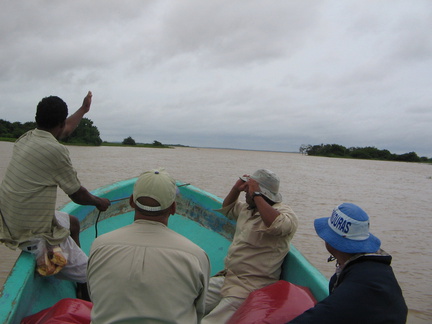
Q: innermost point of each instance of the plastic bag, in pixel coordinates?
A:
(50, 259)
(277, 304)
(67, 310)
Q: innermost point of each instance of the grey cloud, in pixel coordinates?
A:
(235, 33)
(246, 74)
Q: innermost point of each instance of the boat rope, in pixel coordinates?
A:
(100, 211)
(119, 199)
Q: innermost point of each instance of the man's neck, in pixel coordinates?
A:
(158, 219)
(56, 131)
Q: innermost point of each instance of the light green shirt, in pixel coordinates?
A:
(29, 189)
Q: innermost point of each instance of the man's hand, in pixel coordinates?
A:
(267, 212)
(83, 197)
(87, 102)
(234, 193)
(252, 186)
(103, 204)
(241, 185)
(73, 120)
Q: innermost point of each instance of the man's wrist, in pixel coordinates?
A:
(256, 194)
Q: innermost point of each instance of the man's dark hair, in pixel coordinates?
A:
(51, 111)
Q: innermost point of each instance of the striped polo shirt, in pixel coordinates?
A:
(29, 189)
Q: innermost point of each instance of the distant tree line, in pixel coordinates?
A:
(85, 133)
(130, 141)
(14, 130)
(372, 153)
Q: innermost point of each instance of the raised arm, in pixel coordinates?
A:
(267, 212)
(84, 197)
(234, 193)
(73, 120)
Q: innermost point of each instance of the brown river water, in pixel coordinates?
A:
(397, 196)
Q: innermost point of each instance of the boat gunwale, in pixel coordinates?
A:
(15, 302)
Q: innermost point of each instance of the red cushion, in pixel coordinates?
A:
(67, 310)
(276, 303)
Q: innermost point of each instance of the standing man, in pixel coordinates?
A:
(364, 288)
(28, 192)
(146, 272)
(261, 241)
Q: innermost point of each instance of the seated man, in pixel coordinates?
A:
(28, 193)
(261, 241)
(145, 272)
(364, 288)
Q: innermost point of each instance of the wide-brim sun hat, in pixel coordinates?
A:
(347, 230)
(269, 184)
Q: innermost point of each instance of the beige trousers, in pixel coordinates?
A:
(219, 309)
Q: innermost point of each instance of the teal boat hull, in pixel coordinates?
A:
(25, 293)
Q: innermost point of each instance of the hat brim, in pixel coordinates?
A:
(277, 198)
(343, 244)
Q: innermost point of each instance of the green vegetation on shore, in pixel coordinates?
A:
(86, 134)
(369, 153)
(155, 144)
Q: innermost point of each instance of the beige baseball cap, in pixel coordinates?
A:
(156, 184)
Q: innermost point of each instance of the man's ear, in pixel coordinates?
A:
(173, 208)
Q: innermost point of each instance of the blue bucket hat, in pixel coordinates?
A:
(347, 230)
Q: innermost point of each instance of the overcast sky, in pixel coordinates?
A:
(265, 75)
